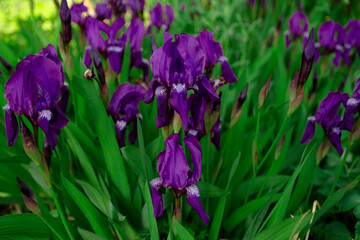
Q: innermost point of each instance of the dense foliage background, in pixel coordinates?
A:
(251, 189)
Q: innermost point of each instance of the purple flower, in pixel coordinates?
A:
(65, 17)
(119, 7)
(93, 29)
(103, 11)
(123, 108)
(176, 66)
(33, 90)
(176, 174)
(298, 26)
(352, 38)
(137, 6)
(327, 117)
(351, 108)
(77, 9)
(162, 16)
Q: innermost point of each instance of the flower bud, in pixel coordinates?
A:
(293, 87)
(237, 107)
(65, 17)
(6, 65)
(307, 60)
(99, 68)
(29, 197)
(30, 147)
(263, 93)
(279, 147)
(296, 102)
(176, 122)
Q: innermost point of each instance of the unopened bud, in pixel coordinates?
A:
(29, 197)
(215, 110)
(294, 87)
(263, 93)
(323, 150)
(99, 68)
(237, 107)
(255, 155)
(296, 102)
(307, 60)
(30, 147)
(6, 65)
(279, 147)
(65, 17)
(177, 122)
(105, 95)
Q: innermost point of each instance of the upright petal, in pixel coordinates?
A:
(170, 16)
(195, 149)
(156, 15)
(212, 49)
(93, 35)
(157, 197)
(172, 165)
(11, 124)
(103, 11)
(76, 12)
(193, 199)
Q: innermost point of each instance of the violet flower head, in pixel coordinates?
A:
(162, 15)
(118, 7)
(123, 108)
(33, 90)
(307, 59)
(352, 107)
(77, 9)
(176, 174)
(136, 6)
(103, 11)
(298, 26)
(327, 117)
(176, 67)
(352, 38)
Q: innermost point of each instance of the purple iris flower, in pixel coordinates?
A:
(298, 26)
(103, 11)
(352, 38)
(77, 9)
(123, 108)
(118, 6)
(176, 174)
(65, 17)
(162, 16)
(176, 67)
(137, 7)
(332, 38)
(351, 108)
(327, 117)
(33, 91)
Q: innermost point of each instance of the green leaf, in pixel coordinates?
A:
(209, 190)
(124, 77)
(19, 226)
(182, 232)
(89, 235)
(21, 159)
(97, 221)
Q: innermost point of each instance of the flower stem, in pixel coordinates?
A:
(58, 206)
(343, 161)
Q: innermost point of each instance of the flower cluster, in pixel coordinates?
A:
(37, 91)
(335, 38)
(186, 90)
(182, 66)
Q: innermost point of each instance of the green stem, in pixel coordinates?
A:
(311, 186)
(58, 206)
(343, 161)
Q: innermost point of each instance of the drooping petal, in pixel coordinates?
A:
(193, 199)
(226, 71)
(157, 197)
(178, 96)
(206, 89)
(115, 28)
(120, 128)
(352, 106)
(11, 124)
(195, 149)
(335, 139)
(43, 121)
(93, 35)
(115, 55)
(172, 165)
(133, 134)
(149, 97)
(162, 100)
(309, 130)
